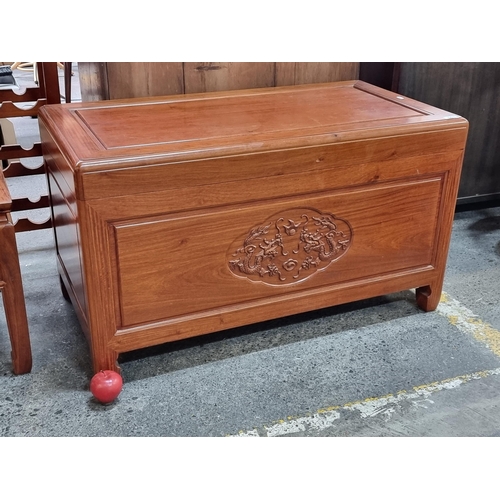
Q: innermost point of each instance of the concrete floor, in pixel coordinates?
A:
(379, 367)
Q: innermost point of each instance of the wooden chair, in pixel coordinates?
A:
(28, 103)
(11, 286)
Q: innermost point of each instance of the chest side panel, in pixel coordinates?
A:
(65, 219)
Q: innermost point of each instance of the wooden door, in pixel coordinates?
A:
(298, 73)
(213, 76)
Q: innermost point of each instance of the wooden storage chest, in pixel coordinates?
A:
(184, 215)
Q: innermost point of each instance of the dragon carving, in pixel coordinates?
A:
(291, 247)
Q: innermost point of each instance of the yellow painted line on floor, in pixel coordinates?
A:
(386, 406)
(458, 315)
(468, 322)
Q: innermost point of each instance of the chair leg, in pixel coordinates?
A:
(67, 81)
(13, 298)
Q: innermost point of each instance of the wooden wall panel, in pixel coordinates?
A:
(213, 76)
(113, 80)
(143, 79)
(93, 81)
(298, 73)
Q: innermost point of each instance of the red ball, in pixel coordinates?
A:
(106, 385)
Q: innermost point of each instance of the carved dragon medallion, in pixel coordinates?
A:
(290, 247)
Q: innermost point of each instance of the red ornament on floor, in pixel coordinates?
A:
(106, 385)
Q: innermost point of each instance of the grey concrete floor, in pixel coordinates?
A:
(379, 367)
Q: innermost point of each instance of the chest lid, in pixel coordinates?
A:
(101, 135)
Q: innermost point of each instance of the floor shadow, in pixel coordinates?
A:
(487, 224)
(184, 354)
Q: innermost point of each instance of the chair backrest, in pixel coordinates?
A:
(27, 103)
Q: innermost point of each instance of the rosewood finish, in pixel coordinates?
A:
(184, 215)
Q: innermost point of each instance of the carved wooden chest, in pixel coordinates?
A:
(180, 216)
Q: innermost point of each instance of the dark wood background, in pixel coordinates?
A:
(471, 90)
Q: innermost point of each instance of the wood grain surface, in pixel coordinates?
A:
(184, 215)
